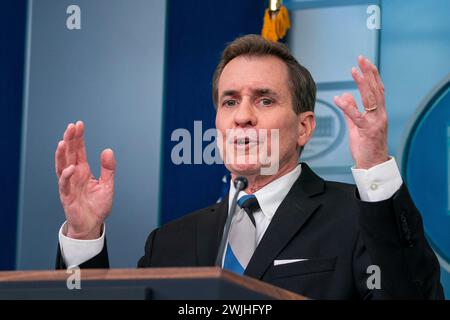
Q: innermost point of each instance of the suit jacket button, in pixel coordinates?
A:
(403, 216)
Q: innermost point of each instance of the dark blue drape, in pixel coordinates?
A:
(12, 42)
(197, 33)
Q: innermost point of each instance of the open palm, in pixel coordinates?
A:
(86, 201)
(367, 130)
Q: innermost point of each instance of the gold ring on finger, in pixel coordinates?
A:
(371, 108)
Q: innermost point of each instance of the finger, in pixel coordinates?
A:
(380, 86)
(377, 77)
(367, 97)
(348, 105)
(79, 142)
(348, 99)
(366, 68)
(350, 123)
(108, 167)
(60, 158)
(64, 180)
(375, 85)
(372, 96)
(69, 139)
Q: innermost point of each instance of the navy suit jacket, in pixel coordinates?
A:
(325, 223)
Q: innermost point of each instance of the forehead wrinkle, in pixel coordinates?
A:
(257, 91)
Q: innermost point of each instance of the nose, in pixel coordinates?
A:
(244, 115)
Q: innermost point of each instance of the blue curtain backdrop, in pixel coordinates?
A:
(12, 38)
(197, 33)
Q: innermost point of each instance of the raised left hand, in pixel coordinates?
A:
(367, 130)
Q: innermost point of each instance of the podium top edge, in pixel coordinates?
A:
(152, 274)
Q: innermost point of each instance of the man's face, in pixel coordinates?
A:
(253, 94)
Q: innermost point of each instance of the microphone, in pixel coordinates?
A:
(240, 183)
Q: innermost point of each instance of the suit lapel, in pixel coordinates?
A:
(209, 233)
(291, 215)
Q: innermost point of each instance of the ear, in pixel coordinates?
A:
(307, 124)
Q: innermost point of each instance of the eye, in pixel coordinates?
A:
(229, 103)
(266, 102)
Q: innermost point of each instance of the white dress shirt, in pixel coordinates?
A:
(269, 198)
(375, 184)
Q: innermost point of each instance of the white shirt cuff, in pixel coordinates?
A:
(379, 182)
(76, 252)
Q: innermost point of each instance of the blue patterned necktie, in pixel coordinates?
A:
(242, 237)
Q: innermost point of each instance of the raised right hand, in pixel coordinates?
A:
(86, 201)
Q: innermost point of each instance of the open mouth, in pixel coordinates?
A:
(245, 141)
(242, 141)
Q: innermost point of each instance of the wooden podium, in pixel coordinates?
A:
(139, 284)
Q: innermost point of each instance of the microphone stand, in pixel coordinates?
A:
(240, 184)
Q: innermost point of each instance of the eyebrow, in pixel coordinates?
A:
(257, 92)
(227, 93)
(264, 91)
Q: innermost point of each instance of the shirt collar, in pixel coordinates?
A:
(271, 195)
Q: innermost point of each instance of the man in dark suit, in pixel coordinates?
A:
(325, 240)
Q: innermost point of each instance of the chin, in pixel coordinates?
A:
(244, 169)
